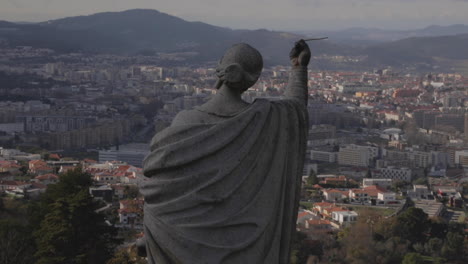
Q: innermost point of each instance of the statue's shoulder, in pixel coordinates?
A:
(194, 116)
(186, 117)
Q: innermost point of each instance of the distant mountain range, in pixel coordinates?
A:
(419, 49)
(142, 31)
(148, 31)
(369, 36)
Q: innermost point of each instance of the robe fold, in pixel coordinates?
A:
(226, 192)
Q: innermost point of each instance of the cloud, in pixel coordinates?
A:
(14, 3)
(271, 14)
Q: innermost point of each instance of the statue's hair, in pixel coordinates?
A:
(240, 66)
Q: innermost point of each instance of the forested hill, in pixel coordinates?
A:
(142, 31)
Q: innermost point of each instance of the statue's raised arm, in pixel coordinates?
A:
(297, 85)
(223, 181)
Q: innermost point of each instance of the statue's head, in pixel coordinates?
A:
(240, 67)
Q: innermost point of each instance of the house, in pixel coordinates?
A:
(130, 178)
(131, 212)
(319, 208)
(13, 185)
(35, 164)
(43, 170)
(103, 192)
(328, 212)
(319, 225)
(386, 197)
(65, 168)
(131, 216)
(107, 177)
(10, 166)
(119, 190)
(335, 195)
(303, 216)
(47, 179)
(419, 192)
(366, 194)
(344, 218)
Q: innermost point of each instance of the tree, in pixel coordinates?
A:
(420, 181)
(70, 231)
(312, 179)
(127, 256)
(412, 224)
(16, 243)
(398, 185)
(302, 248)
(433, 246)
(131, 191)
(453, 246)
(413, 258)
(23, 169)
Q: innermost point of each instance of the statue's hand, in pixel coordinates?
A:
(300, 54)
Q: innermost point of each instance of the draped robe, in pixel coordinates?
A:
(227, 191)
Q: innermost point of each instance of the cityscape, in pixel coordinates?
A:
(385, 178)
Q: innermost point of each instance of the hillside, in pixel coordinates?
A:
(148, 31)
(419, 50)
(369, 36)
(141, 31)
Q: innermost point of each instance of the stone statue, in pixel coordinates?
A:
(223, 180)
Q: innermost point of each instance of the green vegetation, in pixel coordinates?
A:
(62, 227)
(307, 205)
(302, 249)
(382, 211)
(410, 237)
(127, 256)
(312, 179)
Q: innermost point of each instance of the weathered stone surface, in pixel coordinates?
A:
(223, 180)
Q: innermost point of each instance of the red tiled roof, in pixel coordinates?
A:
(130, 210)
(124, 167)
(300, 215)
(54, 156)
(13, 183)
(34, 162)
(48, 176)
(43, 168)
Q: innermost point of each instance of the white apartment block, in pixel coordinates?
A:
(384, 183)
(133, 154)
(421, 159)
(355, 155)
(461, 157)
(324, 156)
(402, 174)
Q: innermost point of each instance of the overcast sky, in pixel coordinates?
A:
(254, 14)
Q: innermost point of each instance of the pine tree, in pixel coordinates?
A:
(312, 179)
(70, 230)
